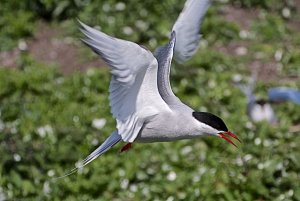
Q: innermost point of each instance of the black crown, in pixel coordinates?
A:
(211, 120)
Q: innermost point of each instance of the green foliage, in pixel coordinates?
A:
(269, 28)
(46, 127)
(151, 19)
(253, 3)
(15, 23)
(226, 30)
(266, 4)
(148, 23)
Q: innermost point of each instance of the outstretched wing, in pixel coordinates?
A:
(164, 55)
(280, 94)
(187, 28)
(134, 96)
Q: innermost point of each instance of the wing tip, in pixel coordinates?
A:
(173, 35)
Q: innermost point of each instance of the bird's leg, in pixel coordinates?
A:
(126, 147)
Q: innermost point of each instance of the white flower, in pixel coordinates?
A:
(106, 7)
(171, 198)
(17, 157)
(286, 13)
(133, 188)
(124, 183)
(95, 142)
(2, 196)
(99, 123)
(186, 150)
(278, 55)
(120, 6)
(22, 45)
(46, 188)
(171, 176)
(141, 25)
(51, 173)
(241, 51)
(244, 34)
(247, 157)
(44, 130)
(257, 141)
(127, 30)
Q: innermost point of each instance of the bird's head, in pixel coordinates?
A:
(214, 125)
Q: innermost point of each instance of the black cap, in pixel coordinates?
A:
(211, 120)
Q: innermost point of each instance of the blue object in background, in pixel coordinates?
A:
(280, 94)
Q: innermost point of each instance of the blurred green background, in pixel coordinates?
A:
(54, 106)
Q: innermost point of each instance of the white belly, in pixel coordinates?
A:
(168, 127)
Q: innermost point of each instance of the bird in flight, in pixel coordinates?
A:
(260, 110)
(257, 109)
(140, 95)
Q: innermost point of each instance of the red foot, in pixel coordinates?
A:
(126, 147)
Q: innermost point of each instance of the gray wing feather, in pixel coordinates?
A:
(187, 28)
(164, 56)
(132, 68)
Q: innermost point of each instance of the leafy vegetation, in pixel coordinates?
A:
(147, 22)
(50, 121)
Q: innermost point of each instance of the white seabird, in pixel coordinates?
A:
(141, 98)
(257, 109)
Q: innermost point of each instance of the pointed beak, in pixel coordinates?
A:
(226, 135)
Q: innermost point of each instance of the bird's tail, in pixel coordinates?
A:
(113, 139)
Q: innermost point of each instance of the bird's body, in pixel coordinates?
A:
(258, 110)
(170, 126)
(141, 98)
(261, 110)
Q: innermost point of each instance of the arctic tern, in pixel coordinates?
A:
(141, 98)
(257, 109)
